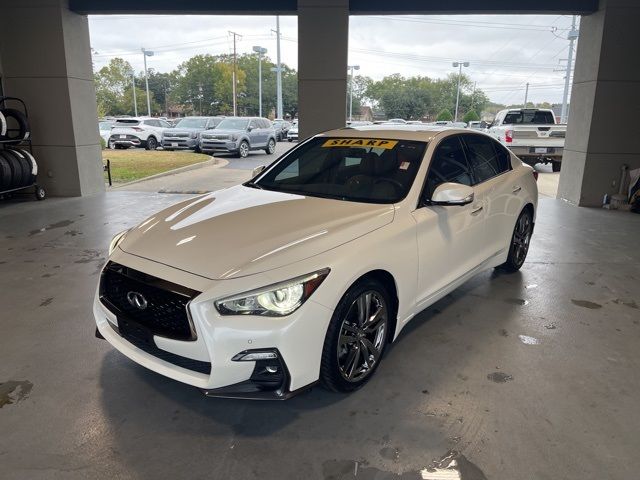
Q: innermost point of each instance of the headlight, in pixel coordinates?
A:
(274, 300)
(234, 138)
(116, 240)
(194, 135)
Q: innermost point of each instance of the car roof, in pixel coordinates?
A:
(421, 133)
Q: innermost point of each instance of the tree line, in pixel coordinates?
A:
(203, 85)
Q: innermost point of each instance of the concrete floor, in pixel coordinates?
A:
(525, 376)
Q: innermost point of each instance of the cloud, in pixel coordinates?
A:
(505, 51)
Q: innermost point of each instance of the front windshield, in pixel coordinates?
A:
(355, 169)
(192, 123)
(233, 124)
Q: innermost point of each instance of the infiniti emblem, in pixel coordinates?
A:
(137, 300)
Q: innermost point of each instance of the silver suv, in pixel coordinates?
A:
(240, 135)
(186, 134)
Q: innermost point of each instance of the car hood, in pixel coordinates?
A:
(183, 130)
(243, 231)
(221, 131)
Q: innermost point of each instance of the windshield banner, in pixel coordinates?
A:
(360, 142)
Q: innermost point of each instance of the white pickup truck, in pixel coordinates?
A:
(532, 134)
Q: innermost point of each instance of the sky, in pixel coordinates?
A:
(505, 52)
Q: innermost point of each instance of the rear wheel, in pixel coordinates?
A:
(519, 242)
(356, 337)
(152, 143)
(556, 166)
(271, 147)
(111, 145)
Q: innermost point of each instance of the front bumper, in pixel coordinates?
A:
(207, 361)
(227, 146)
(292, 136)
(179, 143)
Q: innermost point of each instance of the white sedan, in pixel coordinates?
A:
(305, 273)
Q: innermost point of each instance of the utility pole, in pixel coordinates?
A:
(352, 68)
(133, 84)
(526, 95)
(573, 35)
(458, 64)
(278, 71)
(145, 54)
(260, 51)
(235, 74)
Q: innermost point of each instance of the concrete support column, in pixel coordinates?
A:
(603, 132)
(46, 60)
(323, 41)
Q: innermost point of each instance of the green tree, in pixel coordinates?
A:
(471, 116)
(407, 98)
(444, 116)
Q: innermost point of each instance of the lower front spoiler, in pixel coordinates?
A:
(247, 391)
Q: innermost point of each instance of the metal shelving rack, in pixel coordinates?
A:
(39, 192)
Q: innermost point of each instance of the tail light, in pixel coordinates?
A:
(508, 136)
(137, 129)
(535, 175)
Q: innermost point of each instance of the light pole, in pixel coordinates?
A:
(133, 85)
(458, 64)
(278, 70)
(352, 68)
(572, 37)
(260, 51)
(145, 54)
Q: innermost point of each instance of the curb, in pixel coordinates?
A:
(212, 162)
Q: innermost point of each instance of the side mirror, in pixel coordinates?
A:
(452, 194)
(249, 128)
(257, 171)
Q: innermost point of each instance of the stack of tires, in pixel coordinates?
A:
(18, 168)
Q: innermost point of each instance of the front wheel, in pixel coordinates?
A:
(519, 242)
(356, 337)
(555, 166)
(271, 147)
(243, 149)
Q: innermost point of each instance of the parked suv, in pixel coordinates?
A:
(137, 132)
(240, 135)
(186, 134)
(281, 127)
(292, 134)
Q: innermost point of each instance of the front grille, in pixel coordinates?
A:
(165, 312)
(215, 137)
(177, 135)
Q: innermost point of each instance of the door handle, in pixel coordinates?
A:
(516, 189)
(476, 209)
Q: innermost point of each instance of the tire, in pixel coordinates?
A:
(555, 166)
(243, 149)
(151, 143)
(290, 140)
(21, 130)
(31, 167)
(41, 193)
(271, 147)
(3, 125)
(111, 145)
(343, 366)
(19, 169)
(520, 241)
(5, 173)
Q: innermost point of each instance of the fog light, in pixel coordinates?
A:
(254, 356)
(271, 369)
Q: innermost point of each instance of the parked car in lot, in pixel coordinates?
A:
(104, 127)
(358, 123)
(532, 134)
(185, 135)
(477, 125)
(309, 270)
(292, 134)
(137, 132)
(281, 127)
(240, 135)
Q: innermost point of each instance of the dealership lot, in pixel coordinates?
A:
(528, 374)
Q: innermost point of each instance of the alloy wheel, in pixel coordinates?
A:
(244, 149)
(363, 334)
(271, 147)
(521, 238)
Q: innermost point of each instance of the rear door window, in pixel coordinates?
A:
(484, 158)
